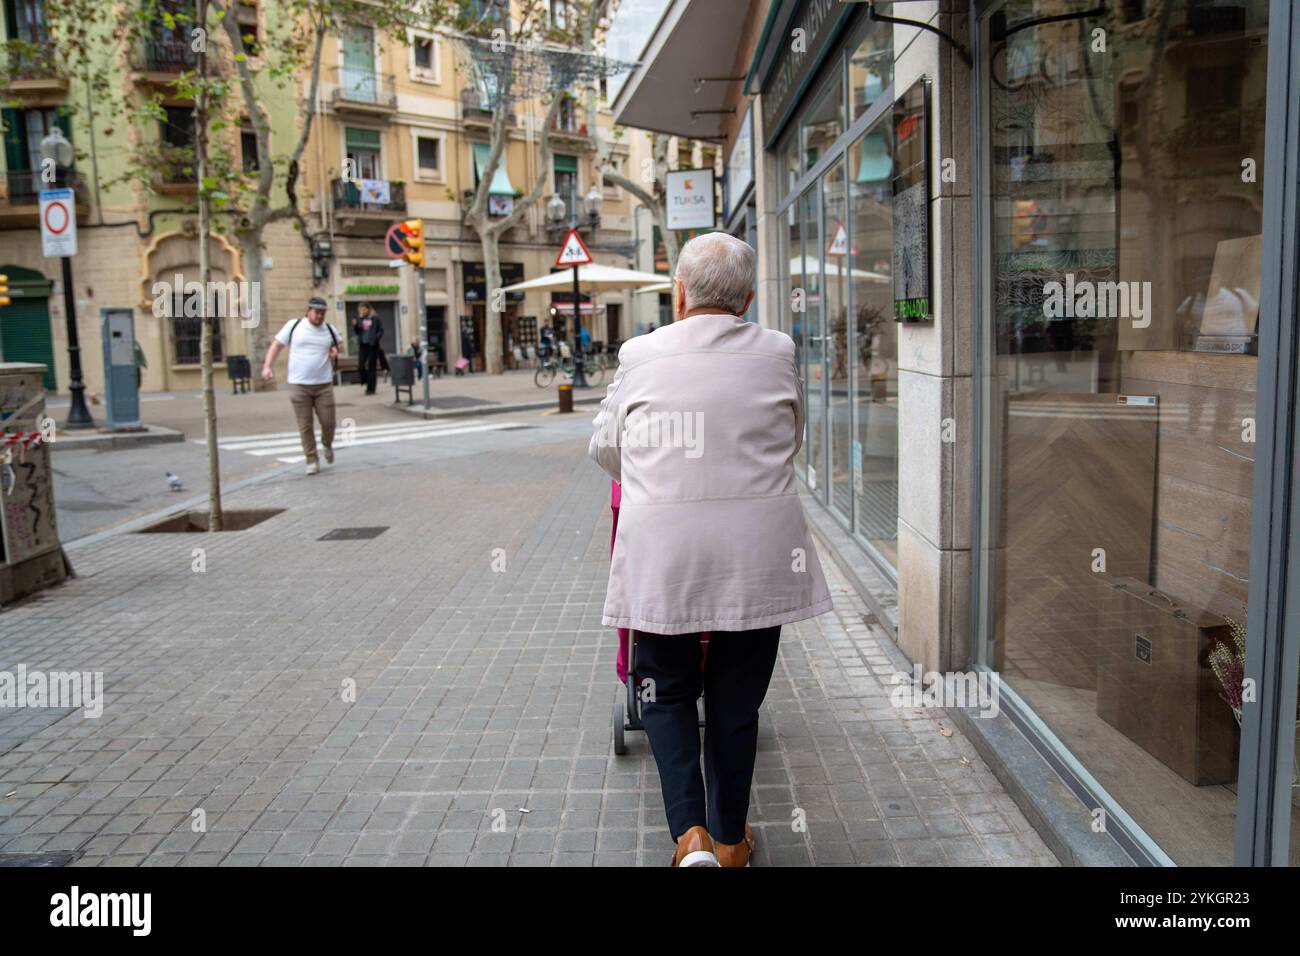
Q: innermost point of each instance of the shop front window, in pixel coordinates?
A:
(871, 67)
(1123, 294)
(810, 285)
(835, 256)
(824, 122)
(874, 356)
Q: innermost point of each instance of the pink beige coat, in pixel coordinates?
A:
(701, 426)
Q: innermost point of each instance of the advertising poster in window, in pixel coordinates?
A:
(911, 206)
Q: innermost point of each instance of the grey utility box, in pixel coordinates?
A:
(121, 393)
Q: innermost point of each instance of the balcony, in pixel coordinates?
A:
(569, 129)
(363, 91)
(160, 61)
(35, 71)
(173, 171)
(20, 196)
(474, 114)
(351, 203)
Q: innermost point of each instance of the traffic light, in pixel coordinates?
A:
(4, 290)
(412, 231)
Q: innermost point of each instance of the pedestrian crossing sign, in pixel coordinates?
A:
(573, 253)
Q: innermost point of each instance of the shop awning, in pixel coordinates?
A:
(500, 179)
(693, 41)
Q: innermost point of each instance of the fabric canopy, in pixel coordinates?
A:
(593, 277)
(500, 179)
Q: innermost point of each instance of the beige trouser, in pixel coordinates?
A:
(305, 399)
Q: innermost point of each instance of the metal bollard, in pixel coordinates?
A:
(566, 398)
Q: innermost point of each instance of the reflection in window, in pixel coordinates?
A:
(1125, 290)
(874, 448)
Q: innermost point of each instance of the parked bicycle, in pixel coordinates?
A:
(549, 365)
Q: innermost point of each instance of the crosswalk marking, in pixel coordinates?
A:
(282, 443)
(242, 442)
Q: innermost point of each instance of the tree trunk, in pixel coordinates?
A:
(205, 276)
(492, 320)
(259, 336)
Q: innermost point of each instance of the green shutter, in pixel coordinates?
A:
(25, 334)
(15, 141)
(566, 164)
(362, 138)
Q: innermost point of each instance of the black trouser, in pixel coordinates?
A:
(734, 680)
(369, 355)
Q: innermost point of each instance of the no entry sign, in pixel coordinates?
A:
(58, 223)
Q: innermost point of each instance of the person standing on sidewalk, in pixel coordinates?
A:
(701, 427)
(370, 340)
(313, 346)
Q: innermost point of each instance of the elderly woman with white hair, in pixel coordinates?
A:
(701, 426)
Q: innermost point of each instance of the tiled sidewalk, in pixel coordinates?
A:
(480, 695)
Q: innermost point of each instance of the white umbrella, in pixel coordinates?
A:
(657, 287)
(811, 265)
(591, 278)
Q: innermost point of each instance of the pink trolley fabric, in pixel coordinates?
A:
(620, 662)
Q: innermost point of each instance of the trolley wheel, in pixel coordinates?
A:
(620, 745)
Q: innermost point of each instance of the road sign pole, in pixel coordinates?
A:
(579, 373)
(78, 414)
(422, 331)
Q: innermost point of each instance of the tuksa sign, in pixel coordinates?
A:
(691, 201)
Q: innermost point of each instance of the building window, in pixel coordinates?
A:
(425, 50)
(176, 152)
(561, 14)
(566, 183)
(248, 150)
(428, 156)
(363, 153)
(246, 17)
(1124, 273)
(616, 164)
(186, 333)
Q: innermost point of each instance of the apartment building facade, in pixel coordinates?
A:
(399, 131)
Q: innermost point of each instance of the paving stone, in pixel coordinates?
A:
(477, 693)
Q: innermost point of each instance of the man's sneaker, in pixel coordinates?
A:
(695, 848)
(329, 455)
(312, 468)
(735, 854)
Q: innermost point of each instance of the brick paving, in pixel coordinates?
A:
(480, 694)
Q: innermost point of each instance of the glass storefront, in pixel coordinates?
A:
(833, 247)
(1122, 223)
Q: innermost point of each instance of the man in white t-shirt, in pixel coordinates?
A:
(313, 346)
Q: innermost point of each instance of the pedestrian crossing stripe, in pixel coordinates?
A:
(281, 443)
(242, 442)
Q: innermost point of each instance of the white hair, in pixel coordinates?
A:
(717, 271)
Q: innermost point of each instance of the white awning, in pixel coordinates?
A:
(693, 41)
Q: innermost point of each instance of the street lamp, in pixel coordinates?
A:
(555, 209)
(594, 200)
(56, 149)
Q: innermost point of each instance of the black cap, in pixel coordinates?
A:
(316, 302)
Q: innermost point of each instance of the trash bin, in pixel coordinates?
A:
(240, 372)
(401, 370)
(30, 555)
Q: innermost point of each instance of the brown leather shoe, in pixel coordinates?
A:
(695, 848)
(735, 854)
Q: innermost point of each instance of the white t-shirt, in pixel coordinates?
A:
(309, 352)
